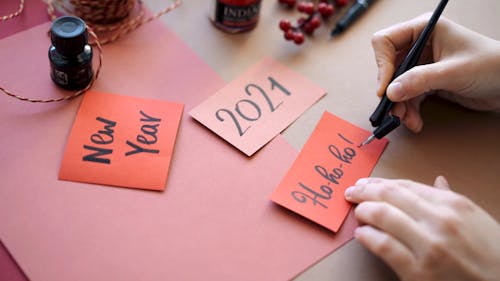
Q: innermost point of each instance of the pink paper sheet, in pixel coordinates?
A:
(34, 13)
(9, 270)
(214, 222)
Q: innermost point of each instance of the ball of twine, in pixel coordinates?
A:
(111, 19)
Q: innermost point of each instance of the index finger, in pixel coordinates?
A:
(428, 193)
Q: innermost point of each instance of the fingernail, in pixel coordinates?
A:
(348, 192)
(362, 181)
(395, 91)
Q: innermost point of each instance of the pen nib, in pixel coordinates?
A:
(367, 141)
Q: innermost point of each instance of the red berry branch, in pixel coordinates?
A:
(315, 11)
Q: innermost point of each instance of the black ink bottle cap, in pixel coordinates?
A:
(69, 35)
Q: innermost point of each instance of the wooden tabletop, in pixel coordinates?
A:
(346, 68)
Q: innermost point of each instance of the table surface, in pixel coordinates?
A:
(345, 67)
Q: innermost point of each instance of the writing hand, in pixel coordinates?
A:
(463, 64)
(426, 233)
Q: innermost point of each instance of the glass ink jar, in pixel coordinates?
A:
(236, 16)
(70, 54)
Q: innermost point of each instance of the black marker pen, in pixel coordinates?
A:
(352, 14)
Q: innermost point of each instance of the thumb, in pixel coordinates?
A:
(419, 80)
(441, 183)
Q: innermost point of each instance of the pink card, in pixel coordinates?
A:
(122, 141)
(329, 162)
(34, 13)
(258, 105)
(214, 216)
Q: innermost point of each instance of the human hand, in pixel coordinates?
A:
(463, 64)
(426, 233)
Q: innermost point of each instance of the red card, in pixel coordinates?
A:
(329, 162)
(121, 141)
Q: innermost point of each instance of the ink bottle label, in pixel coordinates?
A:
(235, 16)
(71, 74)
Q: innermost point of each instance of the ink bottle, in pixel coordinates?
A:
(236, 16)
(70, 54)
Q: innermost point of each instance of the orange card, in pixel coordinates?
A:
(121, 141)
(258, 105)
(328, 164)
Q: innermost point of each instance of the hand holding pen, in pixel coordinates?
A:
(463, 66)
(382, 118)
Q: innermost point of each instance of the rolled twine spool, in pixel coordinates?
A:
(114, 18)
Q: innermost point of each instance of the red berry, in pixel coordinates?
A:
(285, 25)
(306, 7)
(341, 3)
(310, 9)
(325, 9)
(301, 21)
(315, 22)
(291, 3)
(308, 28)
(298, 38)
(322, 7)
(289, 35)
(301, 6)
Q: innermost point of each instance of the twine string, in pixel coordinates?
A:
(15, 14)
(111, 17)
